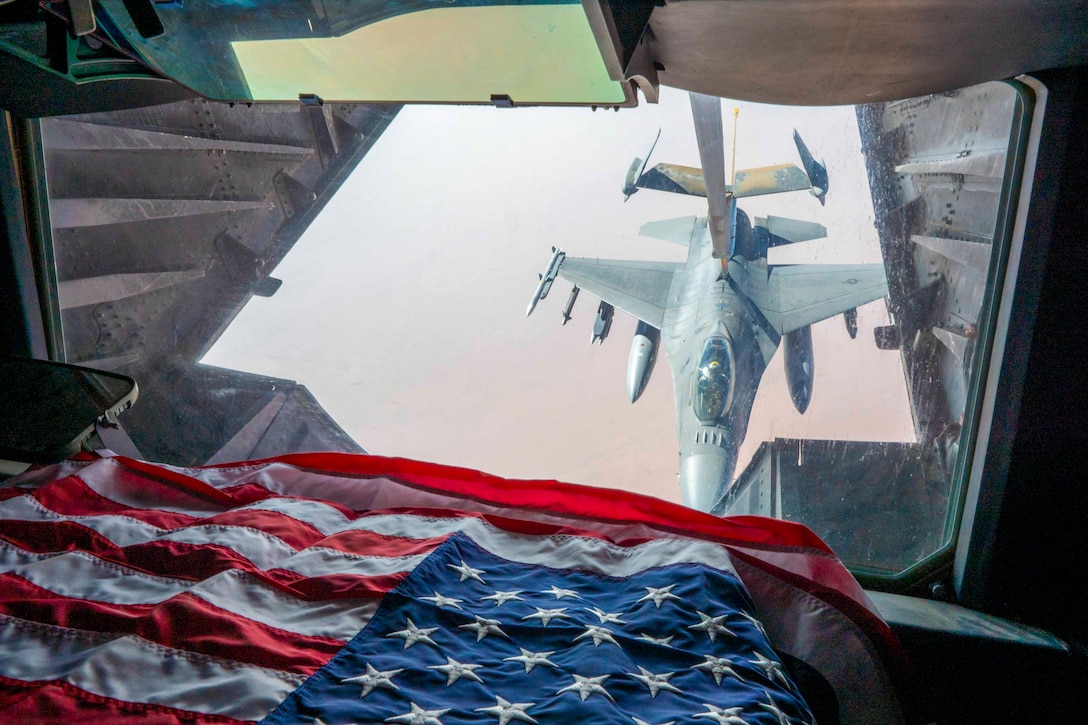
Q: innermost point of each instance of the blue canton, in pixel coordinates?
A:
(469, 637)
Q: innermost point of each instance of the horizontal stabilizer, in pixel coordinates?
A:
(769, 180)
(792, 230)
(674, 178)
(677, 231)
(820, 251)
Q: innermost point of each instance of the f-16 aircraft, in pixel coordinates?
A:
(723, 313)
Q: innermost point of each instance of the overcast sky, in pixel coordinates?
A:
(403, 305)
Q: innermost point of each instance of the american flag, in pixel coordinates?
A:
(334, 589)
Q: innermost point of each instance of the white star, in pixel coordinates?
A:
(467, 572)
(442, 601)
(483, 627)
(773, 708)
(412, 634)
(599, 634)
(656, 683)
(508, 711)
(606, 617)
(758, 624)
(643, 722)
(771, 668)
(455, 670)
(586, 686)
(547, 615)
(717, 666)
(659, 594)
(712, 626)
(419, 716)
(502, 598)
(560, 593)
(723, 716)
(532, 659)
(375, 678)
(663, 641)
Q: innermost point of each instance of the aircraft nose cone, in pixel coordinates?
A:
(704, 477)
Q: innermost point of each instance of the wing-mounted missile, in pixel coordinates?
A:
(816, 170)
(640, 362)
(546, 279)
(570, 304)
(634, 172)
(850, 317)
(799, 366)
(603, 323)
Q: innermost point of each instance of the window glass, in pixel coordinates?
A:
(409, 242)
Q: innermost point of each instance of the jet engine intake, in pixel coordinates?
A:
(799, 366)
(640, 362)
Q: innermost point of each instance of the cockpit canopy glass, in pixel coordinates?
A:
(712, 390)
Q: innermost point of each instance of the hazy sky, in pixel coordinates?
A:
(403, 305)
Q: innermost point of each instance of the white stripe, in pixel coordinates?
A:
(12, 556)
(121, 530)
(410, 526)
(245, 596)
(263, 549)
(80, 575)
(326, 519)
(132, 669)
(320, 561)
(260, 547)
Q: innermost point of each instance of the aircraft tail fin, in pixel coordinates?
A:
(677, 231)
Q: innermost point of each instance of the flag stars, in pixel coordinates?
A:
(606, 617)
(467, 572)
(373, 679)
(412, 634)
(723, 716)
(755, 622)
(454, 670)
(599, 634)
(658, 595)
(483, 627)
(660, 641)
(419, 716)
(561, 593)
(770, 706)
(587, 686)
(532, 659)
(717, 666)
(508, 711)
(442, 601)
(712, 626)
(547, 615)
(502, 598)
(772, 669)
(656, 683)
(643, 722)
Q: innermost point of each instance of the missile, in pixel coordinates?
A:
(570, 304)
(851, 319)
(546, 279)
(603, 323)
(799, 366)
(640, 362)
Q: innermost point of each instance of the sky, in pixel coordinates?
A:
(403, 305)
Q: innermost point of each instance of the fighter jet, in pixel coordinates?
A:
(721, 315)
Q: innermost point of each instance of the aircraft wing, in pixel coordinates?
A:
(794, 296)
(641, 289)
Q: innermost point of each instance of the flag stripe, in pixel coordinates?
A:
(134, 670)
(183, 621)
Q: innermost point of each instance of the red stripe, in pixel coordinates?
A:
(370, 543)
(58, 702)
(183, 622)
(71, 496)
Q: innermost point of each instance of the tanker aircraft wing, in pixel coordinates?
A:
(794, 296)
(641, 289)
